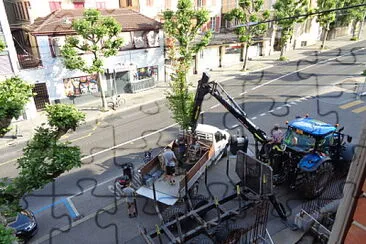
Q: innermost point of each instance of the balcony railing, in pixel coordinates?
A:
(28, 61)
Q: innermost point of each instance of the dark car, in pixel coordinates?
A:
(25, 225)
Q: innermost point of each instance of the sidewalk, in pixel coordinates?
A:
(25, 128)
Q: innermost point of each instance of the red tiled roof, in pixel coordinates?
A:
(59, 22)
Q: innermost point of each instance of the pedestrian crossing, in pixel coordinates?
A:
(357, 106)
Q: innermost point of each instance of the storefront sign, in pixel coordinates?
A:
(82, 85)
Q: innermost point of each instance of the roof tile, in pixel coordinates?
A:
(59, 22)
(360, 213)
(355, 235)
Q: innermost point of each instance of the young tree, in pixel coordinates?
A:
(14, 95)
(100, 37)
(249, 14)
(325, 19)
(44, 158)
(182, 28)
(285, 9)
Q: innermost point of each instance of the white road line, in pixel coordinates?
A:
(128, 142)
(262, 114)
(278, 108)
(241, 94)
(270, 111)
(288, 105)
(214, 106)
(227, 78)
(293, 103)
(72, 206)
(253, 118)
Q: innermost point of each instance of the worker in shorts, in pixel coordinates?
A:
(170, 161)
(129, 193)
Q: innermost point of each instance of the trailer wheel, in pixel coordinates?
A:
(317, 181)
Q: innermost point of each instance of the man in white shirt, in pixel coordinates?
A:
(170, 160)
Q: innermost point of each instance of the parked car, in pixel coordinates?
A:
(25, 225)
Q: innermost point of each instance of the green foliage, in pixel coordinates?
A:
(282, 58)
(2, 46)
(249, 13)
(326, 19)
(6, 235)
(44, 158)
(285, 9)
(64, 117)
(356, 14)
(14, 95)
(364, 73)
(98, 35)
(182, 28)
(354, 38)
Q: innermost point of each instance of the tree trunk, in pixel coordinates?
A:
(246, 56)
(360, 30)
(4, 125)
(354, 29)
(102, 94)
(283, 47)
(325, 36)
(242, 53)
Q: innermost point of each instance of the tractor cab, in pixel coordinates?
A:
(306, 135)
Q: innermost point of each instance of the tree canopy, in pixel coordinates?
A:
(2, 45)
(14, 95)
(96, 34)
(44, 158)
(288, 8)
(249, 14)
(182, 29)
(325, 19)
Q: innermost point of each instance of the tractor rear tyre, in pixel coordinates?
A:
(317, 181)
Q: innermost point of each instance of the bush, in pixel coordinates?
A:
(354, 38)
(283, 58)
(364, 72)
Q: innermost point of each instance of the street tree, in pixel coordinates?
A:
(285, 9)
(98, 35)
(182, 29)
(14, 95)
(326, 19)
(250, 15)
(44, 158)
(357, 15)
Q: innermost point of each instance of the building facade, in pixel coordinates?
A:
(139, 64)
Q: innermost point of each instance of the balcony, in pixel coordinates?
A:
(28, 60)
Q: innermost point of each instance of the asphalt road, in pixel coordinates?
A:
(272, 96)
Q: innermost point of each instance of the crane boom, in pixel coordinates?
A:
(205, 87)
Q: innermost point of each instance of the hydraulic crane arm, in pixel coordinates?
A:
(204, 87)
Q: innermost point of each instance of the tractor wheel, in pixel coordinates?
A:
(317, 181)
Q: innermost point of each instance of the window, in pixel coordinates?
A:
(213, 23)
(21, 10)
(100, 5)
(78, 5)
(150, 3)
(199, 3)
(129, 3)
(54, 5)
(16, 11)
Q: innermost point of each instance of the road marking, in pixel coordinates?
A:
(278, 108)
(351, 104)
(262, 114)
(128, 142)
(9, 161)
(253, 118)
(71, 208)
(214, 106)
(48, 206)
(359, 110)
(270, 111)
(82, 137)
(76, 223)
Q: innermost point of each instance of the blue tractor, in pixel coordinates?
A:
(309, 154)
